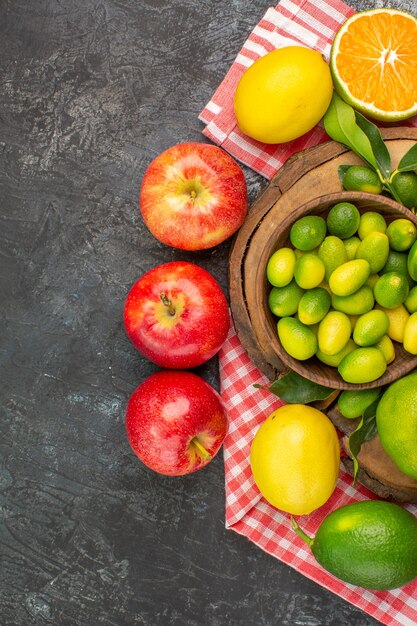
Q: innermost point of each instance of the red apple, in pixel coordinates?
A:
(177, 315)
(175, 422)
(193, 196)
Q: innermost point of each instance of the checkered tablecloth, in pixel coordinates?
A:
(312, 23)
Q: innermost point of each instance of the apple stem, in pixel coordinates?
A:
(167, 302)
(201, 448)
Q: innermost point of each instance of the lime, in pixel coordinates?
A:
(371, 222)
(410, 334)
(358, 303)
(412, 261)
(349, 277)
(351, 246)
(309, 271)
(295, 458)
(374, 248)
(397, 320)
(335, 359)
(308, 232)
(314, 305)
(371, 544)
(405, 185)
(297, 339)
(280, 267)
(410, 302)
(361, 178)
(396, 419)
(334, 332)
(401, 234)
(343, 220)
(362, 365)
(353, 402)
(333, 253)
(397, 262)
(387, 348)
(370, 328)
(391, 290)
(283, 301)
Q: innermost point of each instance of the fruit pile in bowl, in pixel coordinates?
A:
(339, 295)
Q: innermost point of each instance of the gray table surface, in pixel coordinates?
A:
(91, 92)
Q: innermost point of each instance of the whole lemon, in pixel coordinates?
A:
(283, 94)
(295, 458)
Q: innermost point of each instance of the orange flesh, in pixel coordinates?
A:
(377, 60)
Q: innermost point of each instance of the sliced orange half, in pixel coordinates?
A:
(374, 63)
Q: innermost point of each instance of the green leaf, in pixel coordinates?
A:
(365, 430)
(380, 150)
(296, 389)
(409, 161)
(340, 124)
(341, 171)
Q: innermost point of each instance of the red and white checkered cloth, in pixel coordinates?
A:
(312, 23)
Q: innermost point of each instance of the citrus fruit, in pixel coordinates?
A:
(353, 402)
(374, 248)
(373, 63)
(361, 178)
(412, 261)
(309, 271)
(351, 245)
(371, 222)
(334, 332)
(343, 220)
(410, 302)
(333, 253)
(410, 334)
(397, 320)
(297, 339)
(349, 277)
(358, 303)
(372, 280)
(280, 267)
(401, 234)
(397, 262)
(391, 290)
(396, 419)
(405, 185)
(308, 232)
(295, 458)
(283, 301)
(387, 348)
(313, 306)
(335, 359)
(362, 365)
(283, 94)
(370, 328)
(371, 544)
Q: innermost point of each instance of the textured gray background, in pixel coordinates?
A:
(90, 92)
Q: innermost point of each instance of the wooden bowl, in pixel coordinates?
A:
(313, 369)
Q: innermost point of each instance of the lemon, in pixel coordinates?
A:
(283, 94)
(371, 544)
(295, 458)
(396, 419)
(349, 277)
(333, 253)
(361, 178)
(410, 334)
(391, 290)
(334, 332)
(335, 359)
(309, 271)
(387, 348)
(358, 303)
(313, 306)
(297, 339)
(351, 245)
(362, 365)
(401, 234)
(343, 220)
(410, 302)
(283, 301)
(370, 222)
(397, 320)
(353, 402)
(412, 261)
(370, 328)
(374, 248)
(405, 185)
(280, 267)
(308, 232)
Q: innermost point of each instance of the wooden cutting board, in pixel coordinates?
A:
(306, 175)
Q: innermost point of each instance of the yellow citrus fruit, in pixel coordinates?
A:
(351, 244)
(372, 280)
(396, 418)
(335, 359)
(284, 301)
(349, 277)
(391, 290)
(295, 458)
(283, 94)
(309, 271)
(401, 234)
(362, 365)
(334, 332)
(371, 222)
(280, 267)
(397, 320)
(387, 348)
(297, 339)
(313, 306)
(343, 220)
(373, 63)
(405, 185)
(358, 303)
(410, 334)
(333, 253)
(361, 178)
(374, 248)
(370, 328)
(308, 232)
